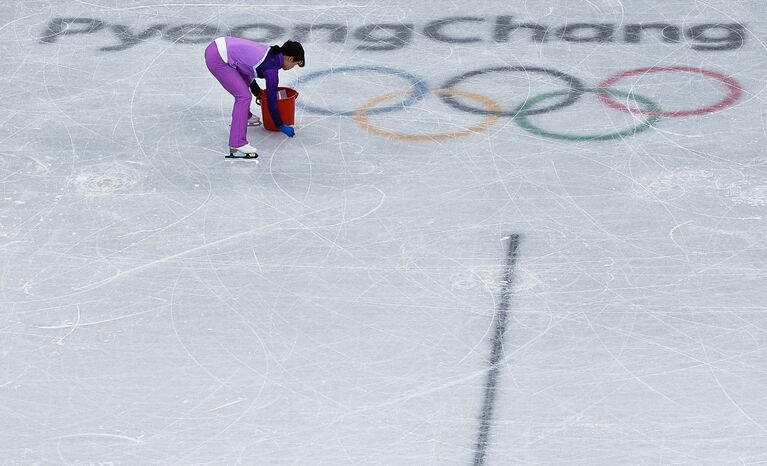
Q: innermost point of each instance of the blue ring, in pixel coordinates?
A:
(419, 88)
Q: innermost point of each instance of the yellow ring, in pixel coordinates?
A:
(361, 117)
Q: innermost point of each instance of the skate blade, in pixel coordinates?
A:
(243, 156)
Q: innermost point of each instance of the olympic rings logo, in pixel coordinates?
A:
(525, 112)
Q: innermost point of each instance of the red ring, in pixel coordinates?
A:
(733, 88)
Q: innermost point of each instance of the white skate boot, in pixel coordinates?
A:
(254, 121)
(243, 152)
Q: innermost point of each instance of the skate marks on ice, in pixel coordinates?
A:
(105, 178)
(735, 186)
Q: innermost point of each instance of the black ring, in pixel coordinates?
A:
(576, 90)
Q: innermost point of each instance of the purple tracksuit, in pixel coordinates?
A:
(236, 63)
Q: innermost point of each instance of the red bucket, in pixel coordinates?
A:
(286, 105)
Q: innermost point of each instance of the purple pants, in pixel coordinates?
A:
(237, 85)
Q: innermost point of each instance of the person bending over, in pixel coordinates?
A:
(236, 63)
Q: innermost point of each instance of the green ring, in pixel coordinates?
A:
(522, 118)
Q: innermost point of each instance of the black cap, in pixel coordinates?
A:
(294, 49)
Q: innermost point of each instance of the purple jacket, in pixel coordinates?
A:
(253, 59)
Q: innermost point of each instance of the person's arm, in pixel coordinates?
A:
(272, 80)
(255, 89)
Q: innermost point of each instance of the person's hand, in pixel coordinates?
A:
(288, 130)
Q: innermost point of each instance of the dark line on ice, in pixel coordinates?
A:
(502, 313)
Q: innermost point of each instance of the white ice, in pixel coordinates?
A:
(337, 303)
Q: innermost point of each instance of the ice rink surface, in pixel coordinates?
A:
(506, 233)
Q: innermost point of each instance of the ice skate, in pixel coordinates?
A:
(255, 120)
(243, 152)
